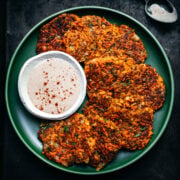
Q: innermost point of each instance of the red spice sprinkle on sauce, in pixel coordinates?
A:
(41, 108)
(53, 96)
(46, 90)
(53, 86)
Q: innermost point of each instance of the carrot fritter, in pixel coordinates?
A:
(62, 140)
(79, 139)
(141, 80)
(102, 73)
(130, 114)
(81, 40)
(50, 36)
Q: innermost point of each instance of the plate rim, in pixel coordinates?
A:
(81, 8)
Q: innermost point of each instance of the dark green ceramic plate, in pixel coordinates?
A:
(26, 125)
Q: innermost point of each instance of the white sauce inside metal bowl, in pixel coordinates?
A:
(160, 13)
(53, 86)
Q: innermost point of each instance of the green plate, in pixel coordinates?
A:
(26, 125)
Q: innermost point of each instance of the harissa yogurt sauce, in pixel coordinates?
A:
(159, 12)
(53, 86)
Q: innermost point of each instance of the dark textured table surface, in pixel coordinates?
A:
(16, 19)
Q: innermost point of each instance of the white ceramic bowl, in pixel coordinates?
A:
(23, 80)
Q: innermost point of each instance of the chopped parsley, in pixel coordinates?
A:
(137, 135)
(66, 129)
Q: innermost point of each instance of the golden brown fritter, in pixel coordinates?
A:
(50, 36)
(79, 139)
(81, 40)
(130, 114)
(141, 80)
(102, 73)
(65, 142)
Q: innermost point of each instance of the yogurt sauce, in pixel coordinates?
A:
(160, 13)
(53, 86)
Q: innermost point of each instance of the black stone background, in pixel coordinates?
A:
(17, 17)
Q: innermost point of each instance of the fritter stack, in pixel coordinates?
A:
(123, 92)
